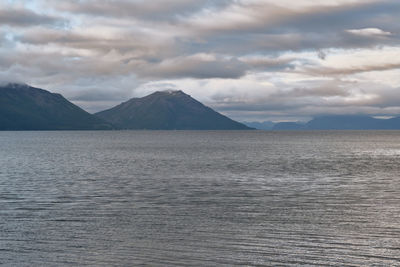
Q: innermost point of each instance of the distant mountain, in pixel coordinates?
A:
(288, 126)
(27, 108)
(343, 122)
(393, 124)
(265, 125)
(346, 122)
(168, 110)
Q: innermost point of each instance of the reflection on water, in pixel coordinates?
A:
(199, 198)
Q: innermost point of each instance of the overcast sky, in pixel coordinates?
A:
(252, 60)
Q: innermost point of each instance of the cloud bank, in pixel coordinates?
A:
(250, 59)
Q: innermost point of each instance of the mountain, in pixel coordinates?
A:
(168, 110)
(27, 108)
(265, 125)
(286, 126)
(343, 122)
(393, 124)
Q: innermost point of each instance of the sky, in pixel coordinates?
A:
(252, 60)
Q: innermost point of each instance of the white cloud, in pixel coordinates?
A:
(370, 32)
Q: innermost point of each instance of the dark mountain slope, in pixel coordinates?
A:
(27, 108)
(168, 110)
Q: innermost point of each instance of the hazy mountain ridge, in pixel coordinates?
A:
(168, 110)
(342, 122)
(23, 107)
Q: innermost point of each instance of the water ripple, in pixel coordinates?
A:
(200, 198)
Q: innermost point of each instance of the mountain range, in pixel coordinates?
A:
(23, 107)
(341, 122)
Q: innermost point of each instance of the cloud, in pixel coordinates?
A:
(21, 17)
(370, 32)
(257, 59)
(351, 62)
(271, 17)
(151, 10)
(351, 70)
(325, 91)
(207, 66)
(195, 66)
(322, 55)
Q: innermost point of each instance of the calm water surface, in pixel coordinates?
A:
(200, 198)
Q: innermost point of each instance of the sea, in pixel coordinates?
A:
(200, 198)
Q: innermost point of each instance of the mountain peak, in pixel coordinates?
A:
(169, 92)
(23, 107)
(168, 110)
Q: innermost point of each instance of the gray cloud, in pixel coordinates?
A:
(326, 97)
(327, 91)
(327, 71)
(257, 58)
(23, 17)
(150, 10)
(268, 64)
(137, 43)
(322, 55)
(195, 68)
(98, 95)
(269, 28)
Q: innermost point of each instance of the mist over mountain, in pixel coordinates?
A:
(168, 110)
(23, 107)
